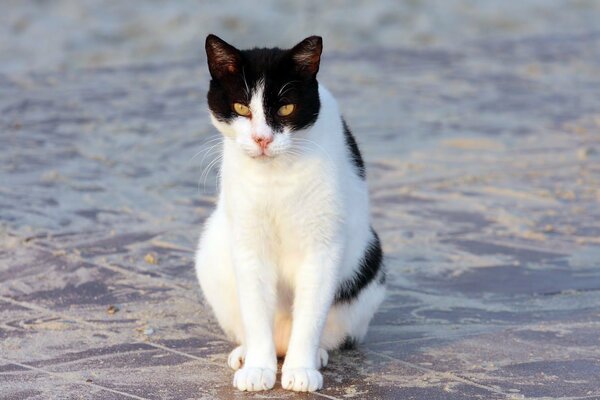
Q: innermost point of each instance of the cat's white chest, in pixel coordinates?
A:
(288, 208)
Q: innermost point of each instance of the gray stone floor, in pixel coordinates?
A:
(484, 168)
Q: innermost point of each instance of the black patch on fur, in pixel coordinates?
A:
(349, 343)
(367, 270)
(287, 80)
(357, 159)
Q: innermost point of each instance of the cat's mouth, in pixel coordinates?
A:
(262, 156)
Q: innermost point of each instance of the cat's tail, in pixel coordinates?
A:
(282, 332)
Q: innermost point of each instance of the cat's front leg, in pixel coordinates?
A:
(255, 279)
(314, 291)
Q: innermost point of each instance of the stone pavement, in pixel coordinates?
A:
(484, 169)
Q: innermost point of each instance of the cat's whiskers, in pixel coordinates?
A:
(318, 146)
(204, 146)
(292, 153)
(206, 150)
(211, 139)
(209, 152)
(206, 172)
(281, 91)
(219, 177)
(209, 168)
(220, 170)
(219, 155)
(246, 84)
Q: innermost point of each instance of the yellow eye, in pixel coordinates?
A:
(286, 110)
(241, 109)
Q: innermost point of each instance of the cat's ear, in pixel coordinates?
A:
(223, 58)
(307, 56)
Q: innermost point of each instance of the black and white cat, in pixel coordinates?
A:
(288, 260)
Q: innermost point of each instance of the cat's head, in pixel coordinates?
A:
(260, 98)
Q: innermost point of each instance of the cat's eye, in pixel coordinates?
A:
(241, 109)
(286, 110)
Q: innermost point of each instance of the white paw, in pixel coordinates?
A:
(301, 379)
(254, 379)
(236, 358)
(322, 358)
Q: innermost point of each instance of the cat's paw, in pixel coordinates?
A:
(322, 358)
(236, 358)
(254, 379)
(301, 379)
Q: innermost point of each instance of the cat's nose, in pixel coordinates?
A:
(262, 141)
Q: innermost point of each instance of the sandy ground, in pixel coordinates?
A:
(480, 125)
(71, 34)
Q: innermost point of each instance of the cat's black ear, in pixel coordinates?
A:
(307, 56)
(223, 58)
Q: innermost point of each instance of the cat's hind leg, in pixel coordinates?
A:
(214, 269)
(348, 321)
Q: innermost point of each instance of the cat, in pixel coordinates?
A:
(288, 260)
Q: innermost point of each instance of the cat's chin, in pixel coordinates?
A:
(257, 154)
(262, 157)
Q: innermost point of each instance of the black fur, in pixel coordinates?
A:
(354, 151)
(235, 72)
(349, 343)
(370, 266)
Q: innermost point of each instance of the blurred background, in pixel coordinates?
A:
(67, 34)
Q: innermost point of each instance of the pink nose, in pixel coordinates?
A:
(263, 142)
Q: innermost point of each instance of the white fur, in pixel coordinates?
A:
(289, 226)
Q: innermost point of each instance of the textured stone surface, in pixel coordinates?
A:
(484, 167)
